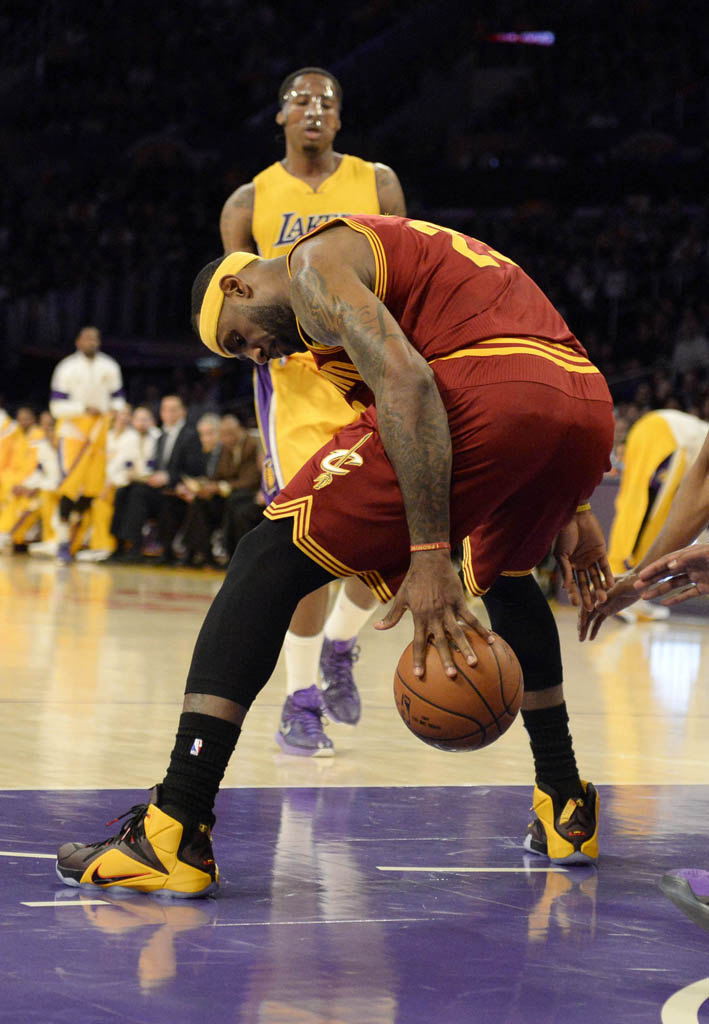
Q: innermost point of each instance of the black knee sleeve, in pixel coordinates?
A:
(240, 640)
(520, 613)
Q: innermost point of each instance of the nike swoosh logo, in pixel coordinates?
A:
(98, 879)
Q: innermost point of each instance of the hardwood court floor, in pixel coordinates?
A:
(93, 661)
(386, 885)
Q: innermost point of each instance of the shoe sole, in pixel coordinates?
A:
(303, 751)
(166, 893)
(574, 858)
(680, 892)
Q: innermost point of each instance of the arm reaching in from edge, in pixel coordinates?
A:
(688, 572)
(332, 297)
(688, 516)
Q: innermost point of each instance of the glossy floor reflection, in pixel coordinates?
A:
(362, 906)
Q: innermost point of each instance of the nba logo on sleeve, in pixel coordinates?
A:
(196, 747)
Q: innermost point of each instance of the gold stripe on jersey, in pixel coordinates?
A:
(380, 263)
(468, 573)
(542, 345)
(300, 510)
(573, 362)
(510, 572)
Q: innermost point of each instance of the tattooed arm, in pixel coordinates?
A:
(235, 222)
(331, 292)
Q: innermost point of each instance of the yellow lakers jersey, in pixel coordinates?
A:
(298, 410)
(285, 208)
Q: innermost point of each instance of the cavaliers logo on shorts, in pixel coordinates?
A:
(338, 463)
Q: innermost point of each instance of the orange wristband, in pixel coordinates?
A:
(436, 545)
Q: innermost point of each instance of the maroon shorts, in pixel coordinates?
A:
(525, 454)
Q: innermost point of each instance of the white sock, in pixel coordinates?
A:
(346, 618)
(302, 660)
(62, 532)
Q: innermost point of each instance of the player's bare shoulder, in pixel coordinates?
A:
(389, 191)
(332, 251)
(236, 220)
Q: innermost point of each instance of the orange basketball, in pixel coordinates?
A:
(465, 713)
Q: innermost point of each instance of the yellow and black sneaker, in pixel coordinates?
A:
(568, 834)
(153, 852)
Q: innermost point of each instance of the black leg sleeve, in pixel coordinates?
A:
(520, 613)
(238, 645)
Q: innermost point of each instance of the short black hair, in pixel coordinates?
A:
(288, 82)
(199, 287)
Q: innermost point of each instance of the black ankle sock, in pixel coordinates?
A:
(553, 752)
(201, 753)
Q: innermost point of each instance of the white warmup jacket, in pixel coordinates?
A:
(80, 383)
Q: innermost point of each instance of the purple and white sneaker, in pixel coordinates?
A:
(339, 691)
(301, 730)
(688, 888)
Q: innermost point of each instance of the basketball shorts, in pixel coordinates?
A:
(525, 454)
(298, 412)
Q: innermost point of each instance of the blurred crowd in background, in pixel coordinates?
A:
(93, 478)
(579, 151)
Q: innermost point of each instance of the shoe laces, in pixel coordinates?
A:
(130, 829)
(339, 666)
(308, 715)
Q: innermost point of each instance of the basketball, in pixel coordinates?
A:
(465, 713)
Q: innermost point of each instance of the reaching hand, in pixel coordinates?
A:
(688, 572)
(621, 595)
(433, 593)
(580, 552)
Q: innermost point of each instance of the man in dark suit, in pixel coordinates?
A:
(178, 453)
(231, 471)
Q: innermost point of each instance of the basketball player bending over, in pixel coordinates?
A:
(484, 424)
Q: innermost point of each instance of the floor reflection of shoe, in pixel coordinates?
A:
(159, 922)
(339, 690)
(301, 728)
(87, 555)
(564, 900)
(688, 888)
(653, 612)
(64, 554)
(153, 852)
(568, 834)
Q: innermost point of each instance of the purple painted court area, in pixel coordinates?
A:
(309, 929)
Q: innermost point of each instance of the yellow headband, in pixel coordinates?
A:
(214, 298)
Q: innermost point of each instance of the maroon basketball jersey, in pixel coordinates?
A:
(448, 292)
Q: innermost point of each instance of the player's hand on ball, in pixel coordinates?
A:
(580, 552)
(435, 597)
